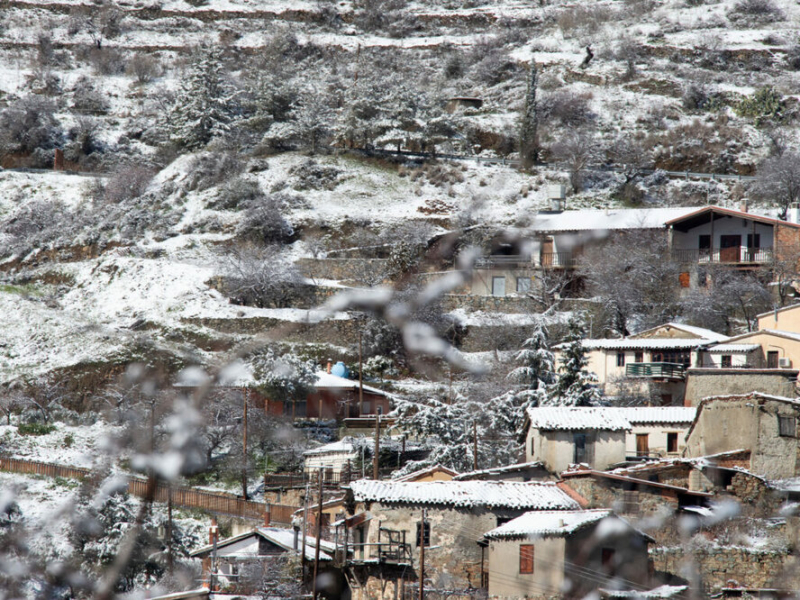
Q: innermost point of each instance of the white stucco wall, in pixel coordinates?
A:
(722, 226)
(556, 449)
(656, 438)
(506, 581)
(334, 462)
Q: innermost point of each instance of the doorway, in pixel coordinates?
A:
(730, 248)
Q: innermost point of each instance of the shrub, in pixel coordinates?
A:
(237, 193)
(212, 168)
(143, 67)
(107, 61)
(128, 182)
(568, 108)
(583, 20)
(29, 125)
(86, 98)
(694, 97)
(494, 68)
(793, 57)
(747, 12)
(35, 429)
(765, 103)
(313, 176)
(264, 223)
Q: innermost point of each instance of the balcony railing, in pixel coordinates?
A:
(544, 259)
(735, 255)
(655, 370)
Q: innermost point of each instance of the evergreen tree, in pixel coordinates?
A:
(575, 386)
(204, 107)
(529, 135)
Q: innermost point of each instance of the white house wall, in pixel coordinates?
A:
(335, 463)
(656, 438)
(505, 580)
(722, 226)
(556, 449)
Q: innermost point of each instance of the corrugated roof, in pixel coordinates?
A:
(278, 536)
(344, 445)
(613, 218)
(728, 212)
(733, 348)
(465, 494)
(569, 417)
(498, 471)
(658, 414)
(644, 344)
(700, 332)
(547, 523)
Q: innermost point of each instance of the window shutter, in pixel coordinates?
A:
(526, 558)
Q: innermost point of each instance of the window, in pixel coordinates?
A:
(533, 446)
(427, 534)
(379, 410)
(672, 441)
(772, 359)
(579, 456)
(498, 286)
(608, 559)
(523, 284)
(620, 359)
(754, 241)
(684, 279)
(787, 426)
(704, 242)
(726, 361)
(526, 559)
(679, 357)
(639, 357)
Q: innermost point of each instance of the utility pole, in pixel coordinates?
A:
(360, 377)
(303, 545)
(319, 535)
(422, 554)
(377, 447)
(170, 555)
(244, 446)
(474, 446)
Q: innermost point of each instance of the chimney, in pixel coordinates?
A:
(330, 365)
(793, 216)
(267, 517)
(557, 195)
(213, 531)
(743, 206)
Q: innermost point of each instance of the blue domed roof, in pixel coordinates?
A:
(340, 370)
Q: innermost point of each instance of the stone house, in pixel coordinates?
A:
(650, 364)
(333, 458)
(562, 436)
(764, 425)
(387, 529)
(604, 436)
(541, 554)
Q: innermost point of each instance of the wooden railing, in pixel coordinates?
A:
(655, 370)
(299, 479)
(187, 497)
(735, 255)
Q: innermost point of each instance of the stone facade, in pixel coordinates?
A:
(702, 383)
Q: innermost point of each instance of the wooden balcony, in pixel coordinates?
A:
(737, 255)
(655, 370)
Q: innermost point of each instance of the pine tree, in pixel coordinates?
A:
(575, 386)
(204, 107)
(283, 378)
(529, 135)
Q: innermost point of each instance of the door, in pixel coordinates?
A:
(579, 456)
(498, 286)
(730, 248)
(642, 445)
(546, 259)
(772, 359)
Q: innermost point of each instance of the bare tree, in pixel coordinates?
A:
(575, 152)
(778, 180)
(261, 276)
(529, 137)
(639, 289)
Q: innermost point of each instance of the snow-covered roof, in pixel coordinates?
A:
(779, 310)
(662, 591)
(729, 212)
(343, 446)
(733, 348)
(607, 219)
(658, 414)
(283, 538)
(700, 332)
(466, 494)
(329, 381)
(644, 344)
(547, 523)
(498, 471)
(790, 335)
(429, 471)
(572, 417)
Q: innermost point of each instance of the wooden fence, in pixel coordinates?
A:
(214, 502)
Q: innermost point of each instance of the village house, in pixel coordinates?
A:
(240, 563)
(713, 235)
(434, 473)
(532, 471)
(604, 436)
(651, 364)
(764, 425)
(543, 554)
(387, 529)
(334, 459)
(558, 238)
